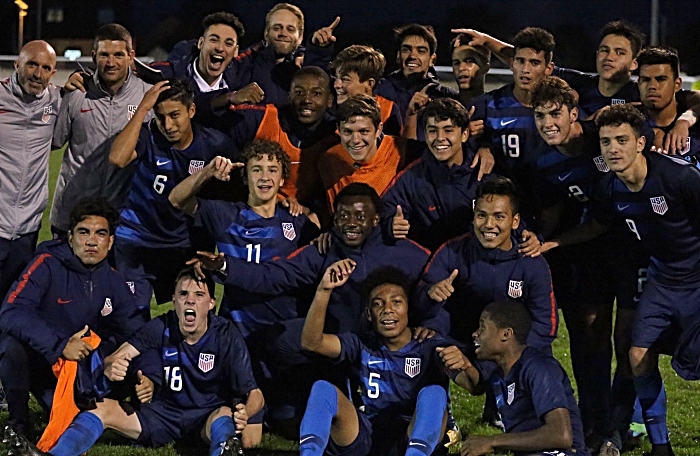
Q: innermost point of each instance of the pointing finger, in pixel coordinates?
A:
(335, 23)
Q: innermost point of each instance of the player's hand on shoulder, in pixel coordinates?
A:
(422, 333)
(337, 274)
(144, 388)
(151, 96)
(323, 242)
(324, 37)
(399, 224)
(676, 139)
(250, 94)
(443, 289)
(77, 349)
(530, 245)
(295, 208)
(453, 358)
(117, 367)
(206, 261)
(77, 81)
(240, 417)
(477, 445)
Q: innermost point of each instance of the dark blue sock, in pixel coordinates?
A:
(427, 426)
(221, 429)
(622, 397)
(316, 425)
(82, 434)
(652, 398)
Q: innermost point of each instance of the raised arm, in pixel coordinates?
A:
(183, 195)
(502, 50)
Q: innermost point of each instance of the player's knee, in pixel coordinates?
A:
(639, 360)
(252, 435)
(432, 396)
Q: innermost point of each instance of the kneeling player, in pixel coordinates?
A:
(205, 368)
(402, 379)
(533, 393)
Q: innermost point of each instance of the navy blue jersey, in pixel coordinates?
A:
(691, 151)
(487, 275)
(535, 385)
(664, 215)
(437, 200)
(590, 99)
(391, 380)
(213, 372)
(147, 218)
(241, 233)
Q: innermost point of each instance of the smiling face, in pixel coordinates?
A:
(359, 137)
(619, 146)
(657, 86)
(529, 67)
(309, 97)
(348, 84)
(554, 123)
(174, 120)
(192, 304)
(494, 220)
(264, 179)
(355, 217)
(90, 240)
(35, 67)
(113, 61)
(614, 59)
(414, 56)
(217, 48)
(445, 140)
(488, 338)
(466, 68)
(388, 311)
(283, 32)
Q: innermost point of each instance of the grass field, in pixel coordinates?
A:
(683, 400)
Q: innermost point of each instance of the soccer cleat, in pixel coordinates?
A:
(3, 399)
(232, 447)
(18, 445)
(609, 449)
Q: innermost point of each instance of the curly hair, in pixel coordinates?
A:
(260, 147)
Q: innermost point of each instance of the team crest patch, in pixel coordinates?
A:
(196, 165)
(206, 362)
(288, 231)
(46, 117)
(515, 288)
(130, 111)
(686, 149)
(617, 101)
(600, 164)
(658, 205)
(107, 308)
(131, 287)
(412, 367)
(511, 393)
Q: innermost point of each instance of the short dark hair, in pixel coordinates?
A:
(179, 90)
(113, 32)
(498, 185)
(510, 314)
(660, 55)
(223, 18)
(259, 147)
(447, 109)
(617, 115)
(627, 30)
(359, 105)
(482, 51)
(555, 91)
(93, 206)
(366, 61)
(382, 276)
(538, 39)
(358, 189)
(314, 71)
(423, 31)
(189, 273)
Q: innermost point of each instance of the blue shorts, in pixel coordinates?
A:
(662, 315)
(361, 446)
(391, 439)
(162, 423)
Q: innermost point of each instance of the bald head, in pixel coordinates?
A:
(35, 66)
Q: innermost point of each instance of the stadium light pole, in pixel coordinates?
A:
(20, 32)
(654, 38)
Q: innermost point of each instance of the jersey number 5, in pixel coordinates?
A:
(373, 390)
(173, 377)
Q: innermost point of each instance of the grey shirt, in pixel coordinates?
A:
(26, 127)
(90, 121)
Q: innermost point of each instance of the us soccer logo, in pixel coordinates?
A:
(47, 114)
(600, 164)
(515, 288)
(288, 231)
(196, 165)
(107, 308)
(206, 362)
(617, 101)
(511, 393)
(130, 111)
(658, 205)
(412, 367)
(686, 149)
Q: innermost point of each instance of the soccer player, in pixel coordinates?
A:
(65, 291)
(153, 241)
(365, 153)
(30, 105)
(358, 69)
(469, 67)
(203, 385)
(90, 120)
(534, 394)
(404, 388)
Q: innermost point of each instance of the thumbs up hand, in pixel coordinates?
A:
(400, 225)
(144, 388)
(443, 289)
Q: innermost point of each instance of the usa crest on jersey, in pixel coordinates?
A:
(658, 205)
(288, 231)
(196, 165)
(206, 362)
(107, 308)
(412, 367)
(600, 164)
(130, 111)
(511, 393)
(617, 101)
(47, 114)
(686, 149)
(515, 288)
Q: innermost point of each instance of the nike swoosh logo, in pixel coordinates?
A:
(375, 361)
(564, 177)
(417, 444)
(622, 208)
(305, 439)
(169, 353)
(504, 123)
(63, 301)
(85, 110)
(161, 163)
